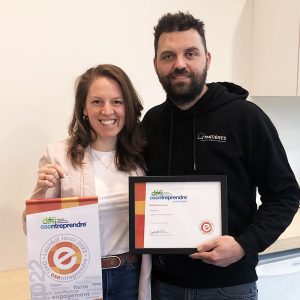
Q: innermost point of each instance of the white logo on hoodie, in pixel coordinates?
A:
(202, 137)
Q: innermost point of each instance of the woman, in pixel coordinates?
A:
(103, 148)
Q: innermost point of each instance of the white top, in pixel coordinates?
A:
(112, 191)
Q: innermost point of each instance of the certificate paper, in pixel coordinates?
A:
(174, 214)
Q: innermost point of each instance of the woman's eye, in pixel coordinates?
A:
(117, 102)
(96, 102)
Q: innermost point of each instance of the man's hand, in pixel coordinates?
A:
(221, 251)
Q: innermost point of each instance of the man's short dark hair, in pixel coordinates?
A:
(178, 22)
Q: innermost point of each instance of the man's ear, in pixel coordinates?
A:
(155, 64)
(208, 59)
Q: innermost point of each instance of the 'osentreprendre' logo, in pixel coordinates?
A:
(56, 223)
(161, 195)
(64, 257)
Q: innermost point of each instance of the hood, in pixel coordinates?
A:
(217, 95)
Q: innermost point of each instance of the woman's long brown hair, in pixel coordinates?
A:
(130, 142)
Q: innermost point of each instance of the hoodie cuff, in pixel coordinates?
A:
(248, 244)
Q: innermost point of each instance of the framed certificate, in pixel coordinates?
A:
(174, 214)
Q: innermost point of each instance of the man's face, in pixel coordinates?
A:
(181, 65)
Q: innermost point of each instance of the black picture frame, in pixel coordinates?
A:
(134, 180)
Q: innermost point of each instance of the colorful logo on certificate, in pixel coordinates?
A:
(64, 257)
(206, 227)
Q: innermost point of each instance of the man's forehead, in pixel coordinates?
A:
(179, 40)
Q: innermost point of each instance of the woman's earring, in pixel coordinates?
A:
(85, 118)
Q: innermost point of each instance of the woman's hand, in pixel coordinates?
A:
(49, 175)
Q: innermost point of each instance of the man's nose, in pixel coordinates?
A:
(180, 63)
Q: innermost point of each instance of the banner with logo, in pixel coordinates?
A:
(174, 214)
(64, 253)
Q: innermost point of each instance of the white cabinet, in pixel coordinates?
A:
(275, 48)
(279, 276)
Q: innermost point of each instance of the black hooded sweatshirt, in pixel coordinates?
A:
(223, 134)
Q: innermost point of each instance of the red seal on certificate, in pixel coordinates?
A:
(206, 227)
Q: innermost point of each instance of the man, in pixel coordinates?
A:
(212, 129)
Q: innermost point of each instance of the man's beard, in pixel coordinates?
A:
(183, 93)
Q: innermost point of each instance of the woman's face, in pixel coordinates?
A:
(105, 109)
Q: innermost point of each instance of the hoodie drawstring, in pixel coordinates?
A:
(170, 143)
(194, 143)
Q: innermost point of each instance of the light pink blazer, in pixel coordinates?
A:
(80, 181)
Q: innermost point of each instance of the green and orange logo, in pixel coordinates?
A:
(64, 257)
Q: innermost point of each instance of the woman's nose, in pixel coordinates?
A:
(107, 109)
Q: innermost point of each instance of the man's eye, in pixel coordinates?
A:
(191, 54)
(167, 57)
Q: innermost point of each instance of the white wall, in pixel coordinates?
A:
(46, 44)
